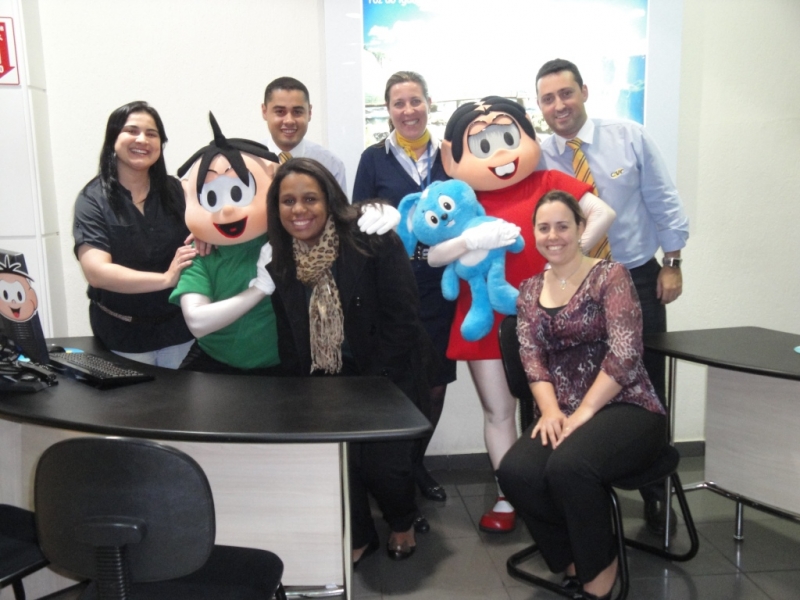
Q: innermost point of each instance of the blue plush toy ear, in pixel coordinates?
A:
(405, 228)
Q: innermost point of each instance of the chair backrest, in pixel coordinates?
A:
(153, 500)
(515, 372)
(19, 549)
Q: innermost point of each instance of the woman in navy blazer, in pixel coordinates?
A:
(407, 162)
(346, 304)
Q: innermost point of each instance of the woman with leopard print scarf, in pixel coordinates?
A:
(346, 304)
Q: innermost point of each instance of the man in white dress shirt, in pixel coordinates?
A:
(287, 111)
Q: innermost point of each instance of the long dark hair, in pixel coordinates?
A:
(159, 179)
(344, 215)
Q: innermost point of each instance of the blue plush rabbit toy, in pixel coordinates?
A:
(442, 212)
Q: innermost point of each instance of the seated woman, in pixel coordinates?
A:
(346, 304)
(580, 332)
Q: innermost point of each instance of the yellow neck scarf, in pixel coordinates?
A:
(411, 146)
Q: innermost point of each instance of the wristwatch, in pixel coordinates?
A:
(673, 262)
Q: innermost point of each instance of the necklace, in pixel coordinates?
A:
(563, 281)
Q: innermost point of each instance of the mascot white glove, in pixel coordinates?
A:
(263, 281)
(378, 218)
(488, 236)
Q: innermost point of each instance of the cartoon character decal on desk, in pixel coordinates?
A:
(18, 300)
(225, 296)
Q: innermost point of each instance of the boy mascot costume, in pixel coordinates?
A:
(491, 145)
(225, 296)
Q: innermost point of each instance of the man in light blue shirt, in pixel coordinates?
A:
(630, 175)
(287, 111)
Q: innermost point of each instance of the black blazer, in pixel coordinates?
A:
(381, 316)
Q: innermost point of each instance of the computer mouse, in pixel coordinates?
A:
(55, 348)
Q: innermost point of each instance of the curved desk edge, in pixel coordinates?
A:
(753, 350)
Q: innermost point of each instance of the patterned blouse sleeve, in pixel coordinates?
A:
(623, 325)
(531, 349)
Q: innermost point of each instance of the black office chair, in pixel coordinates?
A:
(137, 518)
(20, 554)
(665, 466)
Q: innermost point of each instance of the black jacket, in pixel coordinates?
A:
(381, 316)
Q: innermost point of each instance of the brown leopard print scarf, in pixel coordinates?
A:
(325, 316)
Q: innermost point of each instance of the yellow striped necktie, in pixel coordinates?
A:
(284, 156)
(583, 173)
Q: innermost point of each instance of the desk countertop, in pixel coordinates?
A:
(747, 349)
(183, 405)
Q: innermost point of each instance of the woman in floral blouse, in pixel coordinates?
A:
(580, 332)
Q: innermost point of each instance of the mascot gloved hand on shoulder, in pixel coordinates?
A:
(491, 145)
(444, 211)
(224, 296)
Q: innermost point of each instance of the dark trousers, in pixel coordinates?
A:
(560, 493)
(654, 320)
(382, 469)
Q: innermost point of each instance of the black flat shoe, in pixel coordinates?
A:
(429, 487)
(399, 552)
(655, 516)
(421, 524)
(373, 545)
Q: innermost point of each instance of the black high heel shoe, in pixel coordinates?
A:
(399, 551)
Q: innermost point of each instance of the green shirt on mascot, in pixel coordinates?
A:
(225, 295)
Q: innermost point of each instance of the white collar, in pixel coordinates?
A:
(296, 151)
(586, 135)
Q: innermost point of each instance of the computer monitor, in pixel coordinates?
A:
(19, 306)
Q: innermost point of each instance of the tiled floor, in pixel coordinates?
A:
(457, 561)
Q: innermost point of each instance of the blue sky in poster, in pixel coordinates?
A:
(468, 50)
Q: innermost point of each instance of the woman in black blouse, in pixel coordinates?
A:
(130, 241)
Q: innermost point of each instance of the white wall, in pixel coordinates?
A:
(185, 57)
(738, 127)
(28, 216)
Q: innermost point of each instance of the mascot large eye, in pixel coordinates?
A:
(12, 291)
(447, 203)
(226, 190)
(431, 218)
(495, 137)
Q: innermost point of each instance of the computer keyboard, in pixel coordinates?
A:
(95, 370)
